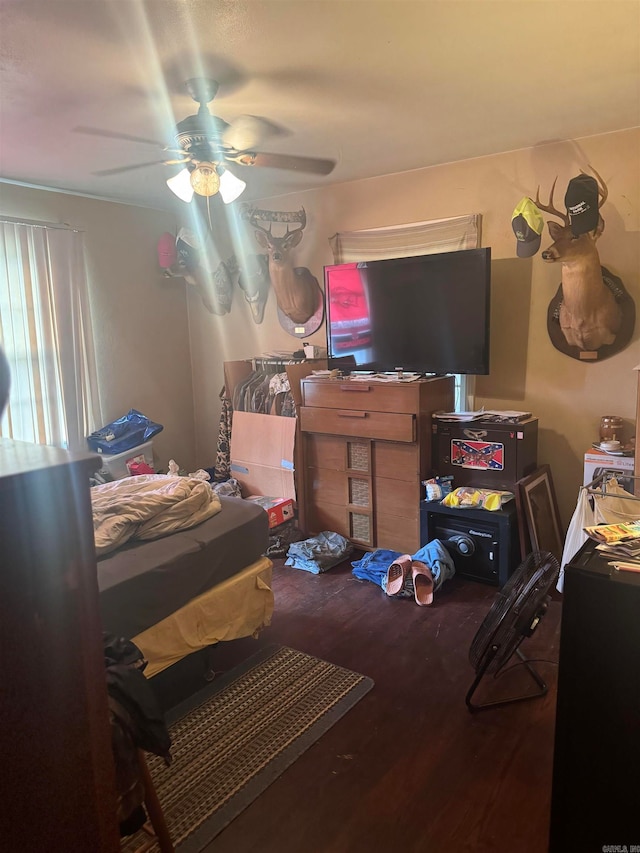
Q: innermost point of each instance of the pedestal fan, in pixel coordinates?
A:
(514, 615)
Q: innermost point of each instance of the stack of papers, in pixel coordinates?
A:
(384, 377)
(614, 534)
(498, 416)
(619, 542)
(365, 376)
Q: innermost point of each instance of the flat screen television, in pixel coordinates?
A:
(425, 314)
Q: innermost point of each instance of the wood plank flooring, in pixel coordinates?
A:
(409, 768)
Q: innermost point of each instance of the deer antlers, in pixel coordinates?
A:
(255, 215)
(549, 208)
(296, 217)
(603, 192)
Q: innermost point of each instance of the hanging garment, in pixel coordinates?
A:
(222, 470)
(613, 506)
(136, 723)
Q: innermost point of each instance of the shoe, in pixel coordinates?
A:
(396, 573)
(422, 583)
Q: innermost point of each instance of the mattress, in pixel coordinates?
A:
(240, 606)
(142, 583)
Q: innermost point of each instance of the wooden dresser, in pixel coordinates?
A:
(59, 778)
(366, 448)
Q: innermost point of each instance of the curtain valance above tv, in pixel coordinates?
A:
(403, 241)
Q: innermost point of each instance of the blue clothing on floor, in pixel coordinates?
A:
(373, 566)
(439, 560)
(319, 553)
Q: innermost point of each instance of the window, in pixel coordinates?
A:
(45, 331)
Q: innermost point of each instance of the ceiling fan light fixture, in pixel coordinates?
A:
(231, 187)
(180, 185)
(205, 179)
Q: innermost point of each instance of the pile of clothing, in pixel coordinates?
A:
(137, 723)
(416, 576)
(319, 553)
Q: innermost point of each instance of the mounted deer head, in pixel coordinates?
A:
(296, 288)
(589, 315)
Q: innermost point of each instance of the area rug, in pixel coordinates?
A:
(235, 737)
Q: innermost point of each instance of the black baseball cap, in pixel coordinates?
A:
(581, 201)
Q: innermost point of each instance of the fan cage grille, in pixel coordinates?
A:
(512, 613)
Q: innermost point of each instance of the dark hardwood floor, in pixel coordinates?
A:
(408, 768)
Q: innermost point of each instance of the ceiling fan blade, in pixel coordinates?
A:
(111, 134)
(120, 169)
(313, 165)
(248, 132)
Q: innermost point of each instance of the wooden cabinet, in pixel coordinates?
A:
(59, 780)
(637, 444)
(366, 448)
(596, 785)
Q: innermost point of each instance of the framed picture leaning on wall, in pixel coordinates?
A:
(538, 511)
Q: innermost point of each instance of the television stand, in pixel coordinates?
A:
(366, 448)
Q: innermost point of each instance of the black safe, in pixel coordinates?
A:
(484, 544)
(484, 453)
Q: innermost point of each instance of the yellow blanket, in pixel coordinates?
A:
(147, 507)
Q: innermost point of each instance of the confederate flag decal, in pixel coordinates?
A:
(477, 454)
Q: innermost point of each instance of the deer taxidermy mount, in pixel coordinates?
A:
(592, 316)
(184, 257)
(297, 291)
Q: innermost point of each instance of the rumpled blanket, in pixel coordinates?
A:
(147, 507)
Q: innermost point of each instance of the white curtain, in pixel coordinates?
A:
(404, 241)
(45, 331)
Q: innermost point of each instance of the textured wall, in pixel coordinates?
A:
(527, 371)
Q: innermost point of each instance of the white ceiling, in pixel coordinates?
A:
(380, 87)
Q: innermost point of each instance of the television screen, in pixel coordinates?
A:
(426, 314)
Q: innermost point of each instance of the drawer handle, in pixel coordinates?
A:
(352, 414)
(357, 386)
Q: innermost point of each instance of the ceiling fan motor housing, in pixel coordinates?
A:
(201, 136)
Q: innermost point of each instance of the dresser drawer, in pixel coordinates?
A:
(396, 461)
(340, 453)
(397, 498)
(397, 533)
(356, 525)
(389, 426)
(379, 397)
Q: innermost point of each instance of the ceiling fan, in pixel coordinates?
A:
(206, 145)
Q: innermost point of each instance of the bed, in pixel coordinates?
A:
(190, 589)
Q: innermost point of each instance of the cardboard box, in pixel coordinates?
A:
(262, 454)
(279, 510)
(117, 464)
(597, 461)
